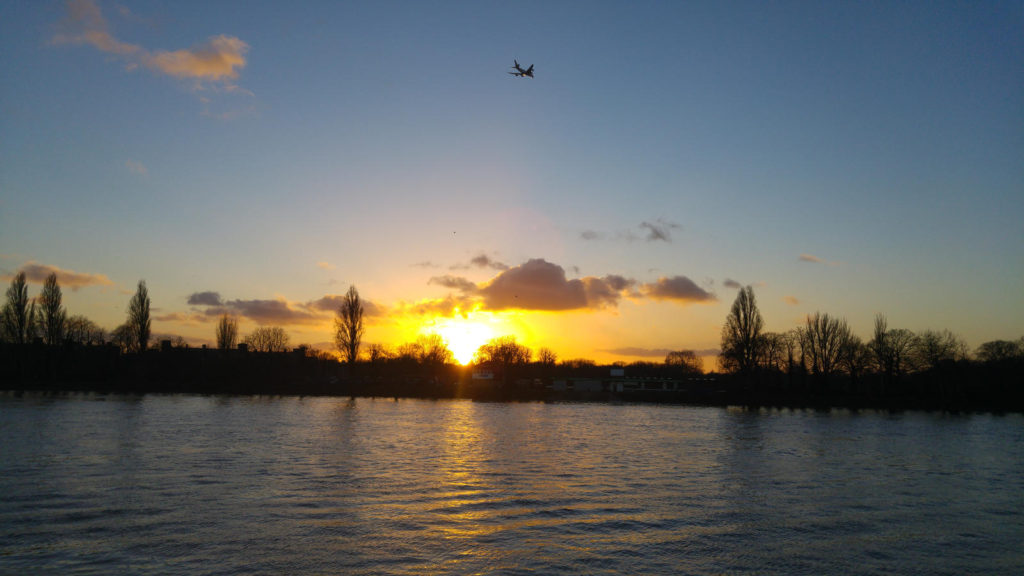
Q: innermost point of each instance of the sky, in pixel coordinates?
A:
(258, 158)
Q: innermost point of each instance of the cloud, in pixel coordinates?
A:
(325, 265)
(278, 311)
(219, 59)
(136, 167)
(485, 261)
(37, 273)
(541, 285)
(205, 299)
(332, 302)
(730, 283)
(643, 352)
(791, 300)
(678, 288)
(815, 260)
(659, 230)
(811, 258)
(454, 283)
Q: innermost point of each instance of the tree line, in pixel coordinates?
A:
(821, 355)
(825, 350)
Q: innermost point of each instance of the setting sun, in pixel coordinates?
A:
(464, 336)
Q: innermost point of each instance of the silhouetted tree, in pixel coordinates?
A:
(53, 314)
(18, 312)
(1001, 351)
(122, 337)
(936, 347)
(349, 326)
(855, 357)
(227, 332)
(268, 339)
(81, 330)
(684, 362)
(138, 323)
(547, 357)
(432, 350)
(378, 353)
(741, 334)
(824, 339)
(504, 351)
(773, 352)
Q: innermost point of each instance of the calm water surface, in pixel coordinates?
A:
(206, 485)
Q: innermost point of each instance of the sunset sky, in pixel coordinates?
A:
(259, 158)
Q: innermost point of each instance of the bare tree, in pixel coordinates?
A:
(433, 350)
(18, 312)
(824, 338)
(227, 332)
(54, 315)
(81, 330)
(684, 361)
(855, 357)
(772, 356)
(547, 357)
(741, 334)
(378, 353)
(268, 339)
(348, 326)
(504, 351)
(997, 351)
(138, 323)
(937, 347)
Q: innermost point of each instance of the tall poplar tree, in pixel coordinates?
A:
(54, 315)
(348, 326)
(741, 334)
(138, 324)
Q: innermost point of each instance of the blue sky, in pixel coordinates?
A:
(852, 158)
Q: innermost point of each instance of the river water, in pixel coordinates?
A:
(93, 484)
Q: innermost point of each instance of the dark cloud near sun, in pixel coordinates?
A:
(454, 283)
(276, 311)
(544, 286)
(541, 285)
(205, 299)
(678, 288)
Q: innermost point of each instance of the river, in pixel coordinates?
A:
(98, 484)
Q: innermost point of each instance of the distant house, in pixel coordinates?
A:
(486, 371)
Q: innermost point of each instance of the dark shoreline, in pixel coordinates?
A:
(718, 399)
(957, 387)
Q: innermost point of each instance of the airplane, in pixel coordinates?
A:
(520, 72)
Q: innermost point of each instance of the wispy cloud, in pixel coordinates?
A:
(136, 167)
(37, 273)
(215, 63)
(325, 265)
(730, 283)
(659, 230)
(791, 300)
(811, 258)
